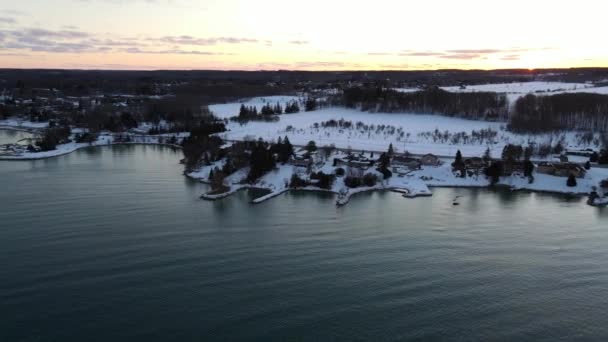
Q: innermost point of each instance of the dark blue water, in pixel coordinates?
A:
(113, 244)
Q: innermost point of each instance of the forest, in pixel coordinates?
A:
(479, 105)
(580, 111)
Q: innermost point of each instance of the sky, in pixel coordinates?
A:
(302, 35)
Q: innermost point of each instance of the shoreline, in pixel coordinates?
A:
(411, 186)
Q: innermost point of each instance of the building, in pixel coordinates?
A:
(430, 160)
(475, 163)
(561, 169)
(300, 161)
(513, 166)
(410, 163)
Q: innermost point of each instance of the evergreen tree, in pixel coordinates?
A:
(528, 168)
(571, 181)
(311, 146)
(487, 155)
(528, 152)
(310, 104)
(458, 164)
(391, 150)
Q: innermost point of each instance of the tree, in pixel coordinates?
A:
(494, 171)
(571, 182)
(391, 150)
(487, 155)
(458, 164)
(594, 157)
(310, 104)
(311, 146)
(528, 168)
(261, 161)
(370, 179)
(217, 182)
(292, 107)
(587, 165)
(603, 157)
(512, 152)
(528, 152)
(384, 162)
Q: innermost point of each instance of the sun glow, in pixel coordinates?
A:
(273, 34)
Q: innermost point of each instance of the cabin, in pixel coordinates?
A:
(512, 166)
(354, 163)
(561, 169)
(475, 163)
(410, 163)
(300, 161)
(430, 160)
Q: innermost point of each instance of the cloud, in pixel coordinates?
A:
(189, 40)
(421, 53)
(137, 50)
(325, 65)
(510, 58)
(461, 56)
(395, 66)
(475, 51)
(75, 41)
(43, 33)
(7, 20)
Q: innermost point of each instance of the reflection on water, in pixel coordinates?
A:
(114, 244)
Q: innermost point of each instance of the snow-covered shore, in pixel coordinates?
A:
(412, 184)
(103, 139)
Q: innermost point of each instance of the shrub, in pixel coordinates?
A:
(370, 179)
(340, 172)
(352, 182)
(297, 182)
(325, 181)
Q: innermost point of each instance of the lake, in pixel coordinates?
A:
(114, 244)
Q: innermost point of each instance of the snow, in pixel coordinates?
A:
(102, 140)
(228, 110)
(407, 90)
(24, 124)
(412, 184)
(521, 87)
(517, 90)
(299, 128)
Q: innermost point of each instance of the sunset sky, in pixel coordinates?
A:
(304, 35)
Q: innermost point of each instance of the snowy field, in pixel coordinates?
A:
(415, 133)
(523, 87)
(229, 110)
(517, 90)
(23, 124)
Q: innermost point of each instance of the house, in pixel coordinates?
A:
(410, 163)
(474, 163)
(359, 164)
(430, 160)
(300, 161)
(513, 166)
(561, 169)
(567, 169)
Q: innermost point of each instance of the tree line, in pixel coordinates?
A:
(478, 105)
(583, 111)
